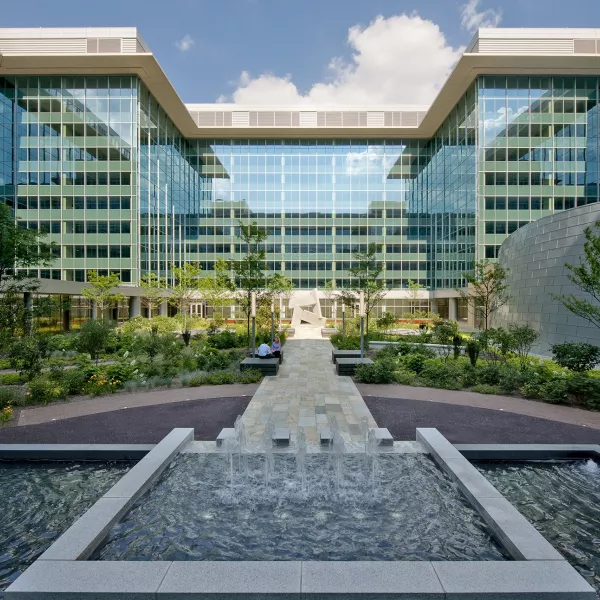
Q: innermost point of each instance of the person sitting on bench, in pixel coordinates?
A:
(264, 351)
(276, 347)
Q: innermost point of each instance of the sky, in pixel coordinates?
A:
(305, 52)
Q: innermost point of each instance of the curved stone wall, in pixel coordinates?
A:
(535, 257)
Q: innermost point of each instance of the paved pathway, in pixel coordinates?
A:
(306, 390)
(102, 404)
(520, 406)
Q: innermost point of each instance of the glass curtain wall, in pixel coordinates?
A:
(538, 151)
(72, 152)
(320, 200)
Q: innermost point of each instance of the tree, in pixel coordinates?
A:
(364, 277)
(586, 277)
(154, 292)
(576, 356)
(522, 338)
(19, 249)
(101, 290)
(93, 338)
(216, 288)
(414, 294)
(184, 292)
(487, 289)
(249, 272)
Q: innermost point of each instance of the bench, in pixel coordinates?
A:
(328, 331)
(267, 366)
(335, 354)
(346, 366)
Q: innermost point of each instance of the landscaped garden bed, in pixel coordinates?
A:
(99, 360)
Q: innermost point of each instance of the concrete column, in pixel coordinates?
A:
(470, 318)
(94, 310)
(452, 308)
(135, 306)
(28, 317)
(163, 310)
(434, 305)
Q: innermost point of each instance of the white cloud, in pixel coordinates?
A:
(471, 19)
(185, 43)
(403, 59)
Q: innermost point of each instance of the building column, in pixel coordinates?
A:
(66, 315)
(135, 306)
(452, 309)
(434, 306)
(163, 312)
(471, 318)
(94, 309)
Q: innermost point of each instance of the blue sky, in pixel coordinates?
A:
(305, 51)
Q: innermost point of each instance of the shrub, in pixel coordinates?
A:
(27, 355)
(11, 397)
(74, 381)
(386, 321)
(444, 331)
(62, 342)
(521, 339)
(11, 379)
(220, 378)
(509, 380)
(488, 374)
(473, 347)
(578, 357)
(414, 362)
(225, 340)
(351, 342)
(404, 377)
(381, 371)
(484, 388)
(43, 390)
(6, 414)
(93, 338)
(583, 389)
(555, 390)
(442, 374)
(249, 376)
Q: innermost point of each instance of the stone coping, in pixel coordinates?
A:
(83, 537)
(161, 580)
(508, 525)
(538, 572)
(525, 452)
(51, 452)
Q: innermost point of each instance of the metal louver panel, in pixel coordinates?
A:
(227, 119)
(375, 119)
(43, 46)
(204, 119)
(92, 45)
(531, 46)
(265, 118)
(584, 46)
(308, 119)
(283, 119)
(109, 45)
(240, 118)
(333, 119)
(350, 119)
(410, 119)
(129, 46)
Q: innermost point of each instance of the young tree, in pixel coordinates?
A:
(586, 277)
(487, 289)
(365, 278)
(414, 293)
(19, 249)
(154, 292)
(184, 292)
(249, 272)
(216, 288)
(101, 290)
(522, 339)
(93, 338)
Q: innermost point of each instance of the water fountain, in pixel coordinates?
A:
(301, 457)
(269, 458)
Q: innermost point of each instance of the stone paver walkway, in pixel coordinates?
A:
(306, 390)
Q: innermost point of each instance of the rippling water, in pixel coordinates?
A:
(38, 501)
(562, 500)
(194, 513)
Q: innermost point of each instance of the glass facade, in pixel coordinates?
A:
(538, 150)
(98, 164)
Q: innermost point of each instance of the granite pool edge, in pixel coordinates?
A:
(538, 572)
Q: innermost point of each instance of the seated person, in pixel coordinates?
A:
(264, 351)
(276, 347)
